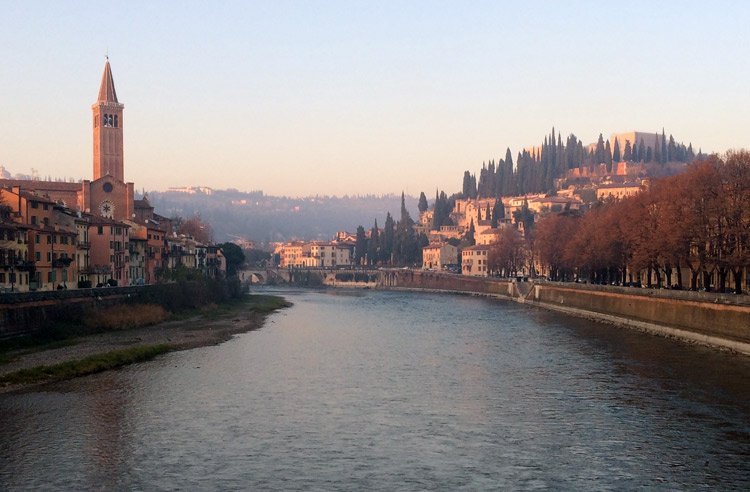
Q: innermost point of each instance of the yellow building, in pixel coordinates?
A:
(438, 255)
(474, 260)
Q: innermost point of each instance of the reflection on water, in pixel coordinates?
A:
(382, 390)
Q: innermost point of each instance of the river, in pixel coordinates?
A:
(373, 390)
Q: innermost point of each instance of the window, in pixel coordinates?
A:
(38, 256)
(49, 256)
(50, 276)
(34, 204)
(33, 220)
(45, 206)
(36, 239)
(100, 230)
(49, 239)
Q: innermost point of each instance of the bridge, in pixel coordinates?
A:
(350, 277)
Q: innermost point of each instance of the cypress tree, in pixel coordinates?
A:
(360, 246)
(422, 206)
(470, 235)
(599, 156)
(671, 150)
(642, 151)
(373, 245)
(608, 156)
(628, 153)
(386, 248)
(616, 151)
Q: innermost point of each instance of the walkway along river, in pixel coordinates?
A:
(380, 390)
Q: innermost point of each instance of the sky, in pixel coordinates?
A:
(301, 98)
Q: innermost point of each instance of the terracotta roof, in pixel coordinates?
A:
(97, 220)
(107, 91)
(478, 247)
(28, 184)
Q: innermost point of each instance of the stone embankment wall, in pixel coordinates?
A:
(34, 311)
(721, 320)
(23, 312)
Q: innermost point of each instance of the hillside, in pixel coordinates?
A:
(263, 218)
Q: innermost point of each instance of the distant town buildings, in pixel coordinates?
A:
(316, 254)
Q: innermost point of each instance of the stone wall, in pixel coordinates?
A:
(29, 312)
(24, 312)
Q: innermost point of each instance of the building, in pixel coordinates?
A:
(652, 140)
(109, 258)
(474, 261)
(618, 191)
(14, 256)
(107, 195)
(94, 232)
(489, 236)
(437, 256)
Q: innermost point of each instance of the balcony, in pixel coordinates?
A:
(95, 269)
(62, 262)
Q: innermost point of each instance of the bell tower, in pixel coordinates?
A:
(108, 142)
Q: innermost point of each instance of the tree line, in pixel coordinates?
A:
(697, 221)
(535, 171)
(397, 243)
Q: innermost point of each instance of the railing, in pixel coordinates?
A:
(89, 270)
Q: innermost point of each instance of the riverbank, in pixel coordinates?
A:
(38, 365)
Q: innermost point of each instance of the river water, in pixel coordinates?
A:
(379, 390)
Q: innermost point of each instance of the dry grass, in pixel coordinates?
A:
(125, 316)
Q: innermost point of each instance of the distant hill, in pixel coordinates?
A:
(263, 218)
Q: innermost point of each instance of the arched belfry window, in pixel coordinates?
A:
(104, 120)
(115, 121)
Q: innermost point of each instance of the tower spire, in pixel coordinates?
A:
(107, 91)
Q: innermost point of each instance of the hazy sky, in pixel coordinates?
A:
(300, 98)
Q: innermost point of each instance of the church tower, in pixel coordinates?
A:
(108, 143)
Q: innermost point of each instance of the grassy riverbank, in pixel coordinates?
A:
(87, 365)
(70, 351)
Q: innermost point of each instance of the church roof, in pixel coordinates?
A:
(41, 186)
(142, 204)
(107, 91)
